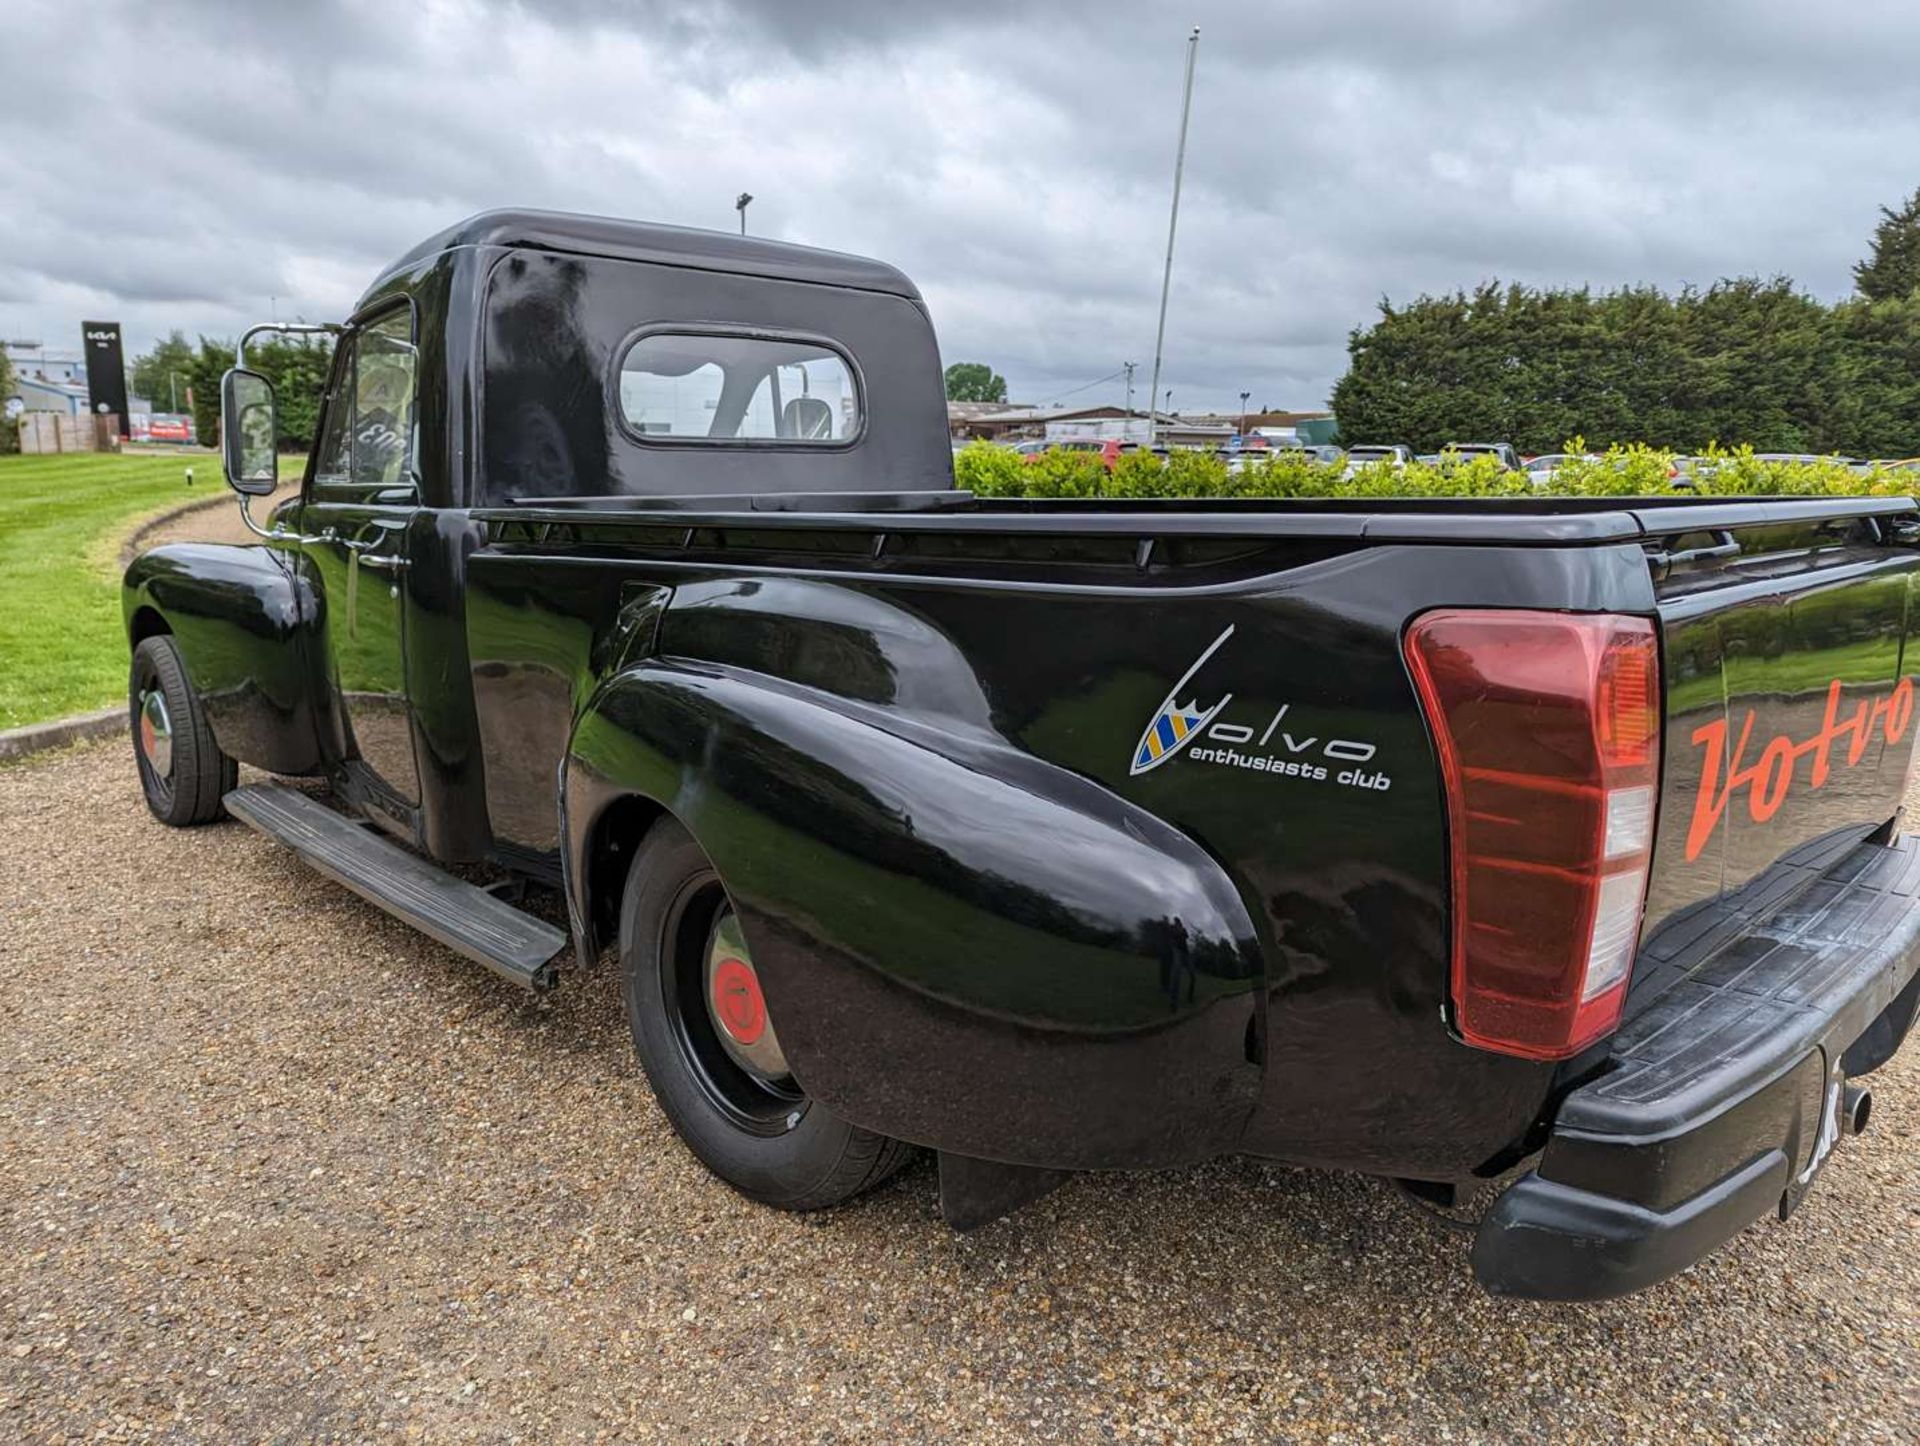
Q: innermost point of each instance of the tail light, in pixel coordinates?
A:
(1548, 730)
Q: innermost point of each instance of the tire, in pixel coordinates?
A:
(196, 775)
(762, 1136)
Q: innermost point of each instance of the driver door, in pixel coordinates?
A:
(359, 519)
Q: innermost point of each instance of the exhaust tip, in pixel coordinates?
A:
(1856, 1109)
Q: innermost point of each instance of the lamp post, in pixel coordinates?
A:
(1243, 414)
(1173, 221)
(740, 205)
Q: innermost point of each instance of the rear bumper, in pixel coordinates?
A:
(1723, 1096)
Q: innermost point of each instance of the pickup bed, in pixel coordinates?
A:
(1546, 843)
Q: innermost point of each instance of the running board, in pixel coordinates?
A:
(515, 945)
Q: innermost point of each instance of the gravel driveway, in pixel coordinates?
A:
(219, 522)
(272, 1166)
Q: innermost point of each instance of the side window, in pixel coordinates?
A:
(383, 389)
(336, 429)
(369, 439)
(702, 387)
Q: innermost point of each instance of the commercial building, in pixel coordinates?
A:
(67, 398)
(1012, 422)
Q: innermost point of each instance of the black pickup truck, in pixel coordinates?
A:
(1542, 842)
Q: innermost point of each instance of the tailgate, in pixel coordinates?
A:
(1789, 695)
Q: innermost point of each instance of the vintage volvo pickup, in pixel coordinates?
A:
(1544, 843)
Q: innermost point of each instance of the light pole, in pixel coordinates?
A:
(741, 205)
(1173, 221)
(1243, 414)
(1129, 366)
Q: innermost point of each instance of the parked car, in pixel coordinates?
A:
(1540, 469)
(1688, 472)
(1508, 458)
(1439, 840)
(1323, 454)
(1110, 450)
(1396, 453)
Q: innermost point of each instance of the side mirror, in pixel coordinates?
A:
(248, 430)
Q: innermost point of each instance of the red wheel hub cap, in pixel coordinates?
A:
(737, 1001)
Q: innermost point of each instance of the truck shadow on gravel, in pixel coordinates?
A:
(1235, 1238)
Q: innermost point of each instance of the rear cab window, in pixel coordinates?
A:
(716, 388)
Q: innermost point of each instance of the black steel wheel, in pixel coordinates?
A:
(709, 1047)
(183, 773)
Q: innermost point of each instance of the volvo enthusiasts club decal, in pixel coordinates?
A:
(1770, 777)
(1177, 724)
(1206, 737)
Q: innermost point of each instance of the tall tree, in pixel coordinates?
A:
(1870, 406)
(161, 375)
(975, 382)
(1892, 270)
(297, 367)
(1746, 360)
(8, 430)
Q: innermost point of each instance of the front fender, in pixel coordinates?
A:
(239, 616)
(961, 944)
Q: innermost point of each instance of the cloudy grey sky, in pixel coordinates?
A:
(196, 164)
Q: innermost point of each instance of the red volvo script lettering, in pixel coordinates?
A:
(1770, 777)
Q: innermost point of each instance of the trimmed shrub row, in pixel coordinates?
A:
(1632, 471)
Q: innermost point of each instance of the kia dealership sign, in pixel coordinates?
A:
(106, 370)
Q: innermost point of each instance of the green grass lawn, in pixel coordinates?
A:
(62, 649)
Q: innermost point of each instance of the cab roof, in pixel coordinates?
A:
(647, 241)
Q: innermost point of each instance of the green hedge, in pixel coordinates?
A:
(1633, 471)
(1755, 359)
(296, 365)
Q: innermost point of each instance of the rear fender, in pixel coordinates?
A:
(961, 944)
(240, 617)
